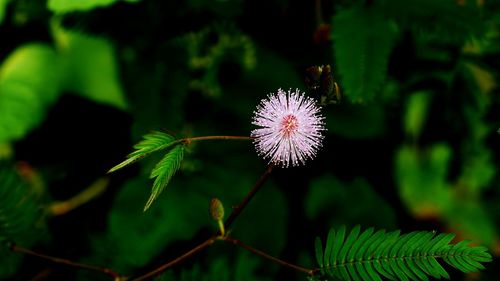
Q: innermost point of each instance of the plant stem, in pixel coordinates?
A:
(177, 260)
(207, 243)
(189, 140)
(267, 256)
(107, 271)
(238, 209)
(93, 191)
(234, 214)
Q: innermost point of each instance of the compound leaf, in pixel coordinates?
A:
(152, 142)
(409, 256)
(164, 171)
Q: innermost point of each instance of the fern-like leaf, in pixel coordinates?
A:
(19, 211)
(164, 171)
(363, 40)
(20, 218)
(152, 142)
(371, 256)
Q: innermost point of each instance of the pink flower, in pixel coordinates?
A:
(291, 127)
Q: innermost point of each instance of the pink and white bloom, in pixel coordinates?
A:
(290, 130)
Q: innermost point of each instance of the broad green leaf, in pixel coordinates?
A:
(66, 6)
(362, 42)
(90, 67)
(152, 142)
(164, 171)
(29, 84)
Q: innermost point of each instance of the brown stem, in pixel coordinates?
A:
(318, 12)
(189, 140)
(234, 214)
(107, 271)
(238, 209)
(267, 256)
(232, 217)
(177, 260)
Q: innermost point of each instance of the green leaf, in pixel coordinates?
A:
(164, 171)
(421, 179)
(469, 218)
(3, 7)
(362, 42)
(66, 6)
(409, 256)
(82, 55)
(29, 84)
(152, 142)
(416, 113)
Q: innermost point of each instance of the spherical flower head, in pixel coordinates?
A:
(290, 130)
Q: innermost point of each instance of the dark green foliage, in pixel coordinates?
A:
(362, 42)
(245, 268)
(327, 195)
(19, 211)
(370, 255)
(442, 21)
(20, 218)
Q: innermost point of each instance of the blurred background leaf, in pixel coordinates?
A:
(29, 84)
(66, 6)
(81, 56)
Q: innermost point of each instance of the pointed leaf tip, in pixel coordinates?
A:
(151, 142)
(164, 171)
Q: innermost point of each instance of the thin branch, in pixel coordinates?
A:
(94, 190)
(234, 214)
(238, 209)
(181, 258)
(203, 138)
(107, 271)
(232, 217)
(267, 256)
(318, 12)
